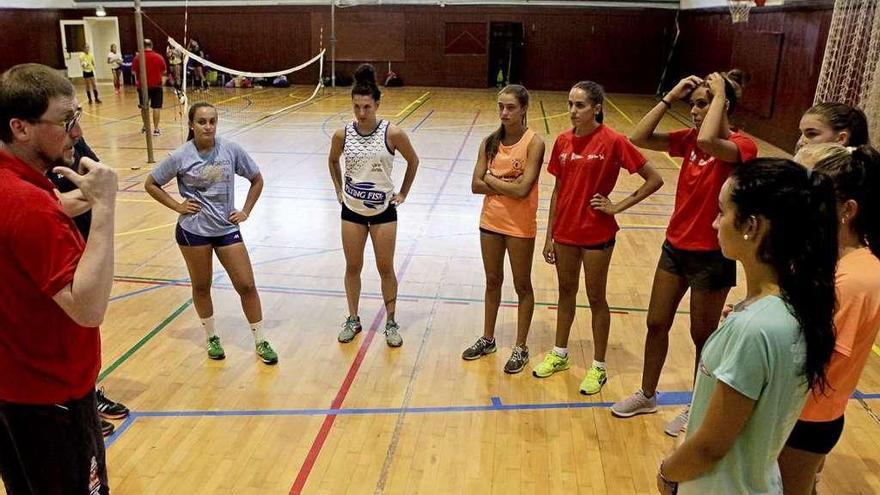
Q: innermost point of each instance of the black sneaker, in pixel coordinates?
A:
(480, 348)
(518, 360)
(107, 428)
(109, 409)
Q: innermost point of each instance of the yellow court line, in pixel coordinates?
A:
(625, 116)
(415, 102)
(621, 112)
(876, 350)
(147, 229)
(553, 116)
(241, 96)
(671, 160)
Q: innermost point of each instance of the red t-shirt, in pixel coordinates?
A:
(45, 357)
(699, 183)
(155, 68)
(584, 166)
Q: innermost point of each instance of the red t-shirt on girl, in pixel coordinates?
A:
(699, 183)
(584, 166)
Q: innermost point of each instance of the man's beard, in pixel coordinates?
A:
(52, 162)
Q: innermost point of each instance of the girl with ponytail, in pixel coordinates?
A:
(755, 371)
(506, 173)
(855, 173)
(367, 197)
(581, 228)
(690, 258)
(205, 167)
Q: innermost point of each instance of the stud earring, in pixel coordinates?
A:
(746, 236)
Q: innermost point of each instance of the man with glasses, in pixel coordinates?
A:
(54, 292)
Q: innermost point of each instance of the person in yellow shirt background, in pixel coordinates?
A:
(87, 62)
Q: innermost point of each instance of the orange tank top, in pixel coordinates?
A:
(504, 214)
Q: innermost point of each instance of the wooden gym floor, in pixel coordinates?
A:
(364, 418)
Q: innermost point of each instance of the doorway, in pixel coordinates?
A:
(505, 53)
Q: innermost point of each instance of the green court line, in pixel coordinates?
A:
(438, 298)
(146, 338)
(544, 114)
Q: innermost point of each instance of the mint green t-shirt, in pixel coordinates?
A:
(759, 352)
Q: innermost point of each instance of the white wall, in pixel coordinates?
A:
(38, 4)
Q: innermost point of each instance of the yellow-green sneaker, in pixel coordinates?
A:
(215, 350)
(266, 353)
(551, 364)
(594, 380)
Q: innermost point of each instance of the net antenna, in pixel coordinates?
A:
(851, 66)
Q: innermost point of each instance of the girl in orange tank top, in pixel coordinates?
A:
(506, 173)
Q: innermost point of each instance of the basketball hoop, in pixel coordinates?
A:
(739, 10)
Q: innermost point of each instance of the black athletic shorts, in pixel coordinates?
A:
(156, 96)
(53, 448)
(387, 216)
(703, 270)
(818, 437)
(87, 75)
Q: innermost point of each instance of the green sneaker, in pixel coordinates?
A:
(392, 334)
(215, 350)
(350, 328)
(594, 380)
(266, 353)
(551, 364)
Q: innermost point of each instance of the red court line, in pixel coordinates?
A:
(324, 431)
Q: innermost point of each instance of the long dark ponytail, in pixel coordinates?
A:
(856, 176)
(494, 139)
(801, 245)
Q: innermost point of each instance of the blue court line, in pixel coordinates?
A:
(119, 430)
(677, 398)
(414, 129)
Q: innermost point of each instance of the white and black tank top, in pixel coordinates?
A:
(368, 162)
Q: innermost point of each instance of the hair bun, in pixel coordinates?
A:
(736, 76)
(365, 74)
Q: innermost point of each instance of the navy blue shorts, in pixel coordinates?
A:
(185, 238)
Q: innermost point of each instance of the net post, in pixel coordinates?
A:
(142, 77)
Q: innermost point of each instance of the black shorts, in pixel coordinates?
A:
(387, 216)
(703, 270)
(87, 75)
(54, 448)
(186, 238)
(818, 437)
(156, 96)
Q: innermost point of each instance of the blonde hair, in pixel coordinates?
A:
(812, 154)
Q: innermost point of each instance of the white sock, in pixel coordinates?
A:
(561, 351)
(257, 330)
(208, 324)
(599, 364)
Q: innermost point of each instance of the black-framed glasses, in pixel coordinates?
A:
(68, 124)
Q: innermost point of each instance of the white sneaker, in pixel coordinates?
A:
(678, 423)
(635, 404)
